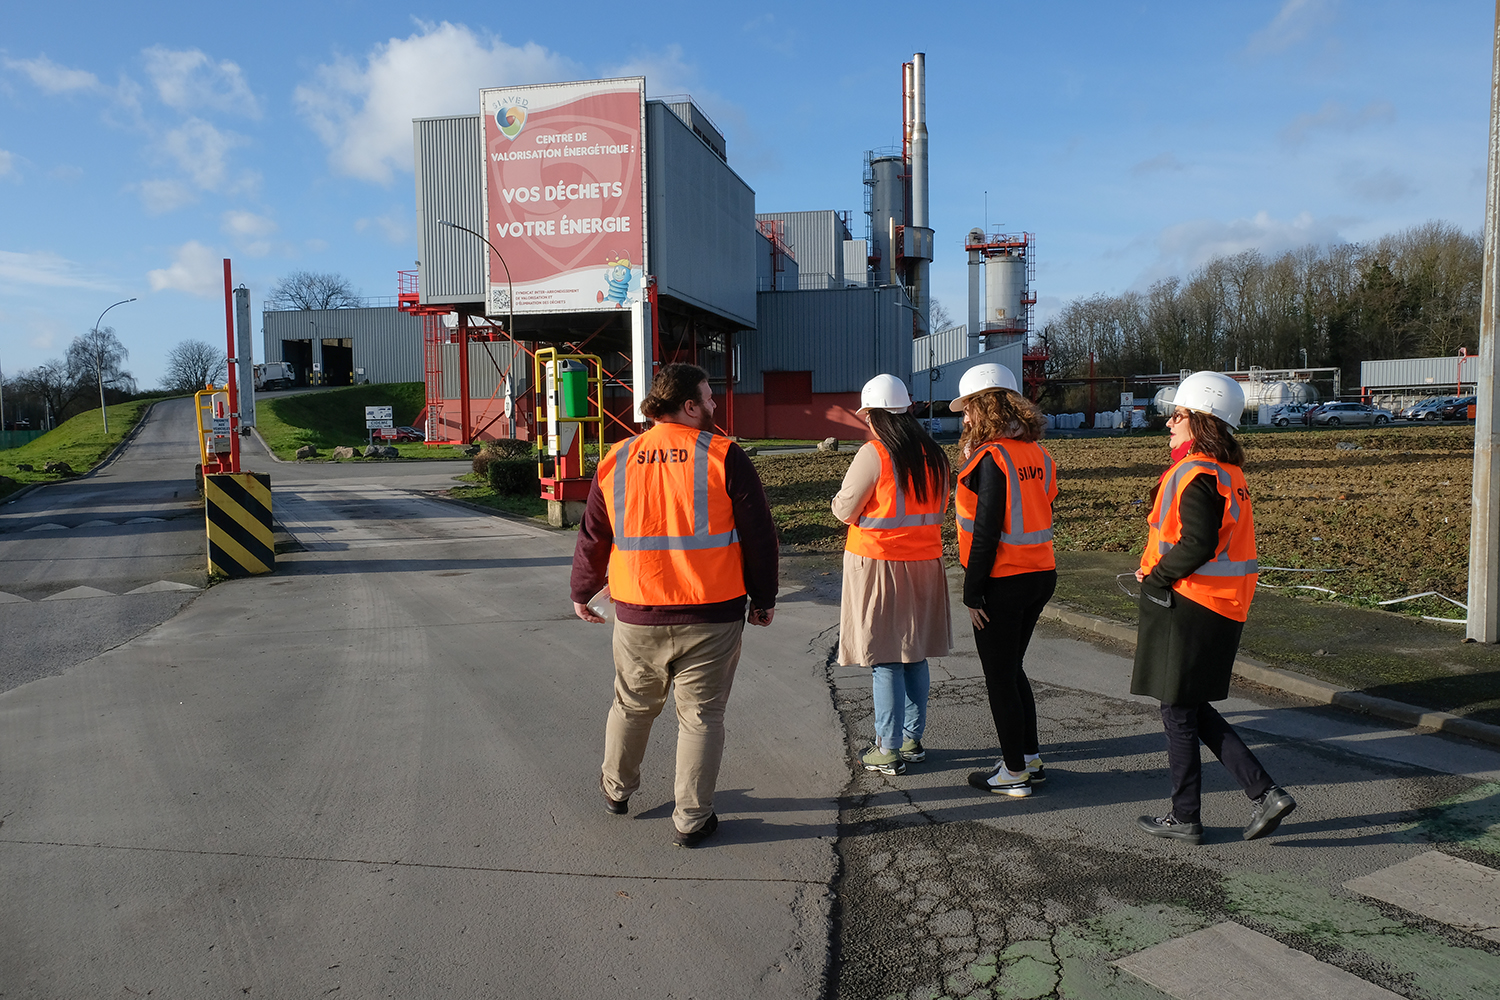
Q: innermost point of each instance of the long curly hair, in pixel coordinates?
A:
(1000, 413)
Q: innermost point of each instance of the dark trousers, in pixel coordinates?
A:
(1185, 726)
(1013, 603)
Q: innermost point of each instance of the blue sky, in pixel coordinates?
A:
(140, 144)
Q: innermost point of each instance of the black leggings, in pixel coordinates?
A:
(1013, 603)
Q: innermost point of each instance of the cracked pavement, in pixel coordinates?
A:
(947, 891)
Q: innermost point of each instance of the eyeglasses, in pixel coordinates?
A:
(1179, 415)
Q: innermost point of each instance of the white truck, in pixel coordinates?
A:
(274, 375)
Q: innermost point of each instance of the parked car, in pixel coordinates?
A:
(1336, 414)
(1456, 410)
(1425, 409)
(1312, 411)
(398, 434)
(1283, 414)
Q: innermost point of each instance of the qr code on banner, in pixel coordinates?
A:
(500, 298)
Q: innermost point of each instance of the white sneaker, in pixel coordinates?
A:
(1002, 781)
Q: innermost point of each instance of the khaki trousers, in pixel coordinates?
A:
(698, 661)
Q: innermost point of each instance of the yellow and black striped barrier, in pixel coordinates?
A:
(239, 523)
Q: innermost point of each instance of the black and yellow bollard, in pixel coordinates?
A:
(239, 523)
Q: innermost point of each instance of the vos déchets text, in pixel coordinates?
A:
(564, 192)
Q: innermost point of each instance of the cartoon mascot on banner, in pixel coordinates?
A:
(617, 276)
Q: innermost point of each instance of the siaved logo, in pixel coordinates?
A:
(511, 118)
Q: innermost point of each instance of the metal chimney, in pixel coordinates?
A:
(922, 299)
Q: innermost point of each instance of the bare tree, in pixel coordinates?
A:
(939, 318)
(53, 387)
(95, 357)
(193, 364)
(312, 290)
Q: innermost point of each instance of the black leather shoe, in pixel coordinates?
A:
(1171, 828)
(699, 835)
(616, 807)
(1268, 811)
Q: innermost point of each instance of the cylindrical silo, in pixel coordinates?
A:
(887, 205)
(1004, 288)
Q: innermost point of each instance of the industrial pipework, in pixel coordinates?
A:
(920, 284)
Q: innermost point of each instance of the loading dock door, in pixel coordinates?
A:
(299, 354)
(338, 361)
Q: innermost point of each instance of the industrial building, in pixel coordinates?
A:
(790, 312)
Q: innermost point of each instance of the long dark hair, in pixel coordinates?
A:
(912, 451)
(1212, 436)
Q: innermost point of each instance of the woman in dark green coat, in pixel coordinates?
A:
(1197, 579)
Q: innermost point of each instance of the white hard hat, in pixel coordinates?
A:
(884, 392)
(1213, 393)
(981, 378)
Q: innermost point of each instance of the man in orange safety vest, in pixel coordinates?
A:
(677, 523)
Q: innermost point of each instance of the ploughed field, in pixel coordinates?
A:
(1387, 508)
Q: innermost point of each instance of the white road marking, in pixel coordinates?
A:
(1450, 890)
(1231, 962)
(77, 593)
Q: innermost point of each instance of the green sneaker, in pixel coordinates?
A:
(1036, 770)
(912, 751)
(884, 761)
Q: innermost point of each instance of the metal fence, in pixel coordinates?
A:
(14, 439)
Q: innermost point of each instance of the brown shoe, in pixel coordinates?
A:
(616, 807)
(699, 835)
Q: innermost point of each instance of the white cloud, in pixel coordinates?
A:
(52, 77)
(202, 151)
(195, 270)
(363, 112)
(45, 269)
(8, 164)
(392, 226)
(188, 79)
(1334, 117)
(248, 225)
(1185, 246)
(1294, 22)
(166, 195)
(250, 231)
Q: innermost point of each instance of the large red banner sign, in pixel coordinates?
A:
(565, 195)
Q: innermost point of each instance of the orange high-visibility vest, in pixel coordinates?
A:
(1026, 524)
(896, 525)
(1225, 583)
(675, 538)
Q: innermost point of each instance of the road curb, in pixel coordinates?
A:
(114, 453)
(1301, 685)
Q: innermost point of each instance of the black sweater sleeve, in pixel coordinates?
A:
(1202, 511)
(759, 548)
(988, 482)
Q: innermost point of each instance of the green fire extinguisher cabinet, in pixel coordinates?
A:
(573, 388)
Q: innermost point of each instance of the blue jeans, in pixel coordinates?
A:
(896, 684)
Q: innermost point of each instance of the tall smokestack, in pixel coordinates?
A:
(919, 216)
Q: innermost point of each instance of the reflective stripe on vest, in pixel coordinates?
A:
(700, 538)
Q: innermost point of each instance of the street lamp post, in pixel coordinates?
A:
(99, 367)
(510, 298)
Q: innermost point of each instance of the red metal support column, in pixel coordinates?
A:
(463, 377)
(232, 384)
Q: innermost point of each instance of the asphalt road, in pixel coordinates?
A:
(373, 774)
(89, 563)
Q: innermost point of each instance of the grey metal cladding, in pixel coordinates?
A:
(700, 223)
(816, 239)
(387, 343)
(1418, 372)
(843, 336)
(450, 185)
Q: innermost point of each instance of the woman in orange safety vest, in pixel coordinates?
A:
(894, 613)
(1003, 504)
(1197, 578)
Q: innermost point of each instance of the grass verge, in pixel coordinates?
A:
(335, 418)
(476, 491)
(80, 441)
